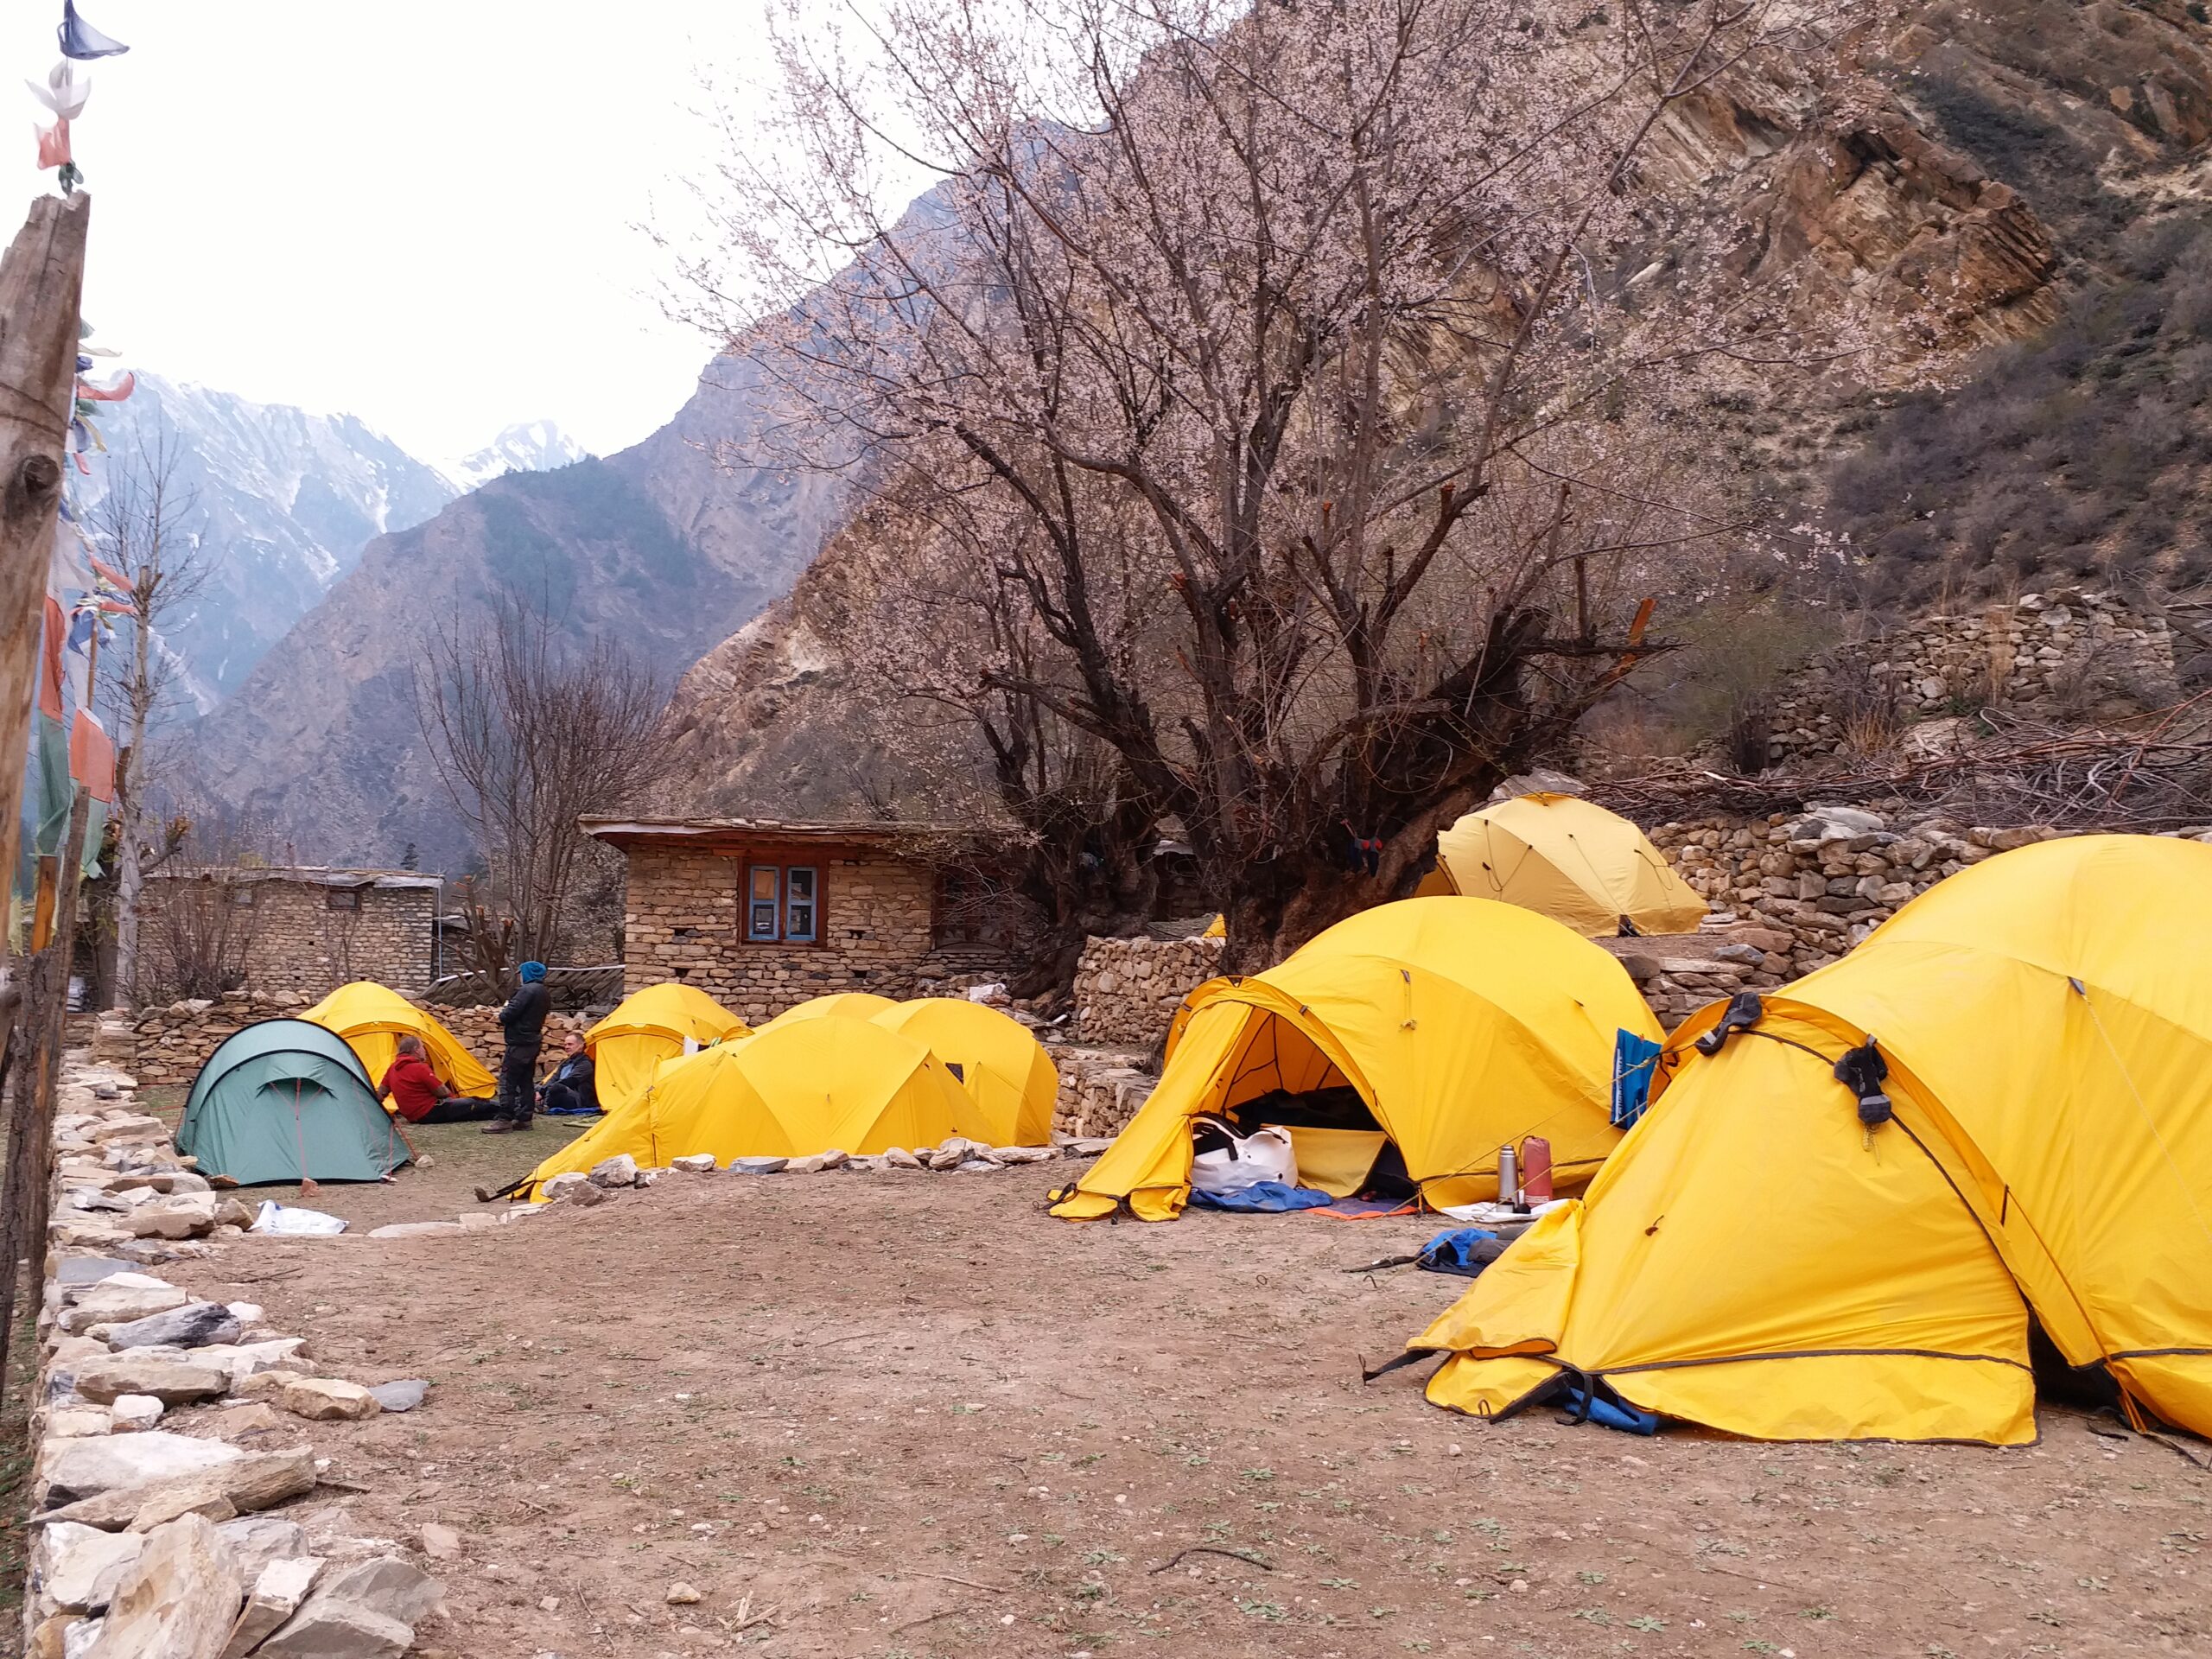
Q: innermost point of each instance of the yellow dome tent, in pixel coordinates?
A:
(1757, 1259)
(785, 1092)
(372, 1017)
(850, 1005)
(1568, 859)
(1463, 1025)
(1004, 1068)
(648, 1027)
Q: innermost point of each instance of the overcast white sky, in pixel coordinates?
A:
(418, 212)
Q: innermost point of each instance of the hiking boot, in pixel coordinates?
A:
(501, 1126)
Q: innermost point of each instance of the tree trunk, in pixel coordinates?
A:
(129, 886)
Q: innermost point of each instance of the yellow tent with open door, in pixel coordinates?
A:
(648, 1027)
(1791, 1247)
(1462, 1025)
(372, 1018)
(1004, 1068)
(850, 1005)
(1568, 859)
(785, 1092)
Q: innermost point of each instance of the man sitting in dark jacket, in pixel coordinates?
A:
(523, 1021)
(572, 1089)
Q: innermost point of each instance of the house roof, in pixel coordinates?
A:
(716, 834)
(316, 875)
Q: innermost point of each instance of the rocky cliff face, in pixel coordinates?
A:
(1913, 202)
(288, 499)
(657, 545)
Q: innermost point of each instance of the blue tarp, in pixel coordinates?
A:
(1635, 1063)
(1454, 1252)
(1263, 1197)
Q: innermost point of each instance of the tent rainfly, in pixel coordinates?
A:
(648, 1027)
(1462, 1024)
(372, 1018)
(850, 1005)
(1568, 859)
(787, 1092)
(1849, 1197)
(1005, 1070)
(286, 1100)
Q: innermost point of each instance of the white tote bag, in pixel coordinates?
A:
(1236, 1161)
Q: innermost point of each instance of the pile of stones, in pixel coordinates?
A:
(167, 1431)
(620, 1174)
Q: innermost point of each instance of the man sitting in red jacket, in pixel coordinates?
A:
(415, 1089)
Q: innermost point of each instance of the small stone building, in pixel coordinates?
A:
(762, 915)
(293, 930)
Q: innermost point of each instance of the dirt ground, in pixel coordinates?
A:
(910, 1414)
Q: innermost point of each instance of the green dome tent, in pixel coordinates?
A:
(283, 1100)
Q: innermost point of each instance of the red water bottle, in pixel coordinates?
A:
(1537, 1169)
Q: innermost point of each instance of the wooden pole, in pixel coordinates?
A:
(42, 283)
(41, 279)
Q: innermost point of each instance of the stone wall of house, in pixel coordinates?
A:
(1100, 1088)
(683, 913)
(2066, 653)
(293, 941)
(1127, 990)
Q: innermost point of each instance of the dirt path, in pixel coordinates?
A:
(910, 1414)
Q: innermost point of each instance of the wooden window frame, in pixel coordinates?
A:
(344, 899)
(782, 869)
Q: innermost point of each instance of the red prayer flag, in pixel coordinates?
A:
(91, 756)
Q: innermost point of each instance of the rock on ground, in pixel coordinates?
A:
(275, 1596)
(82, 1468)
(79, 1567)
(171, 1382)
(194, 1325)
(620, 1170)
(132, 1412)
(402, 1396)
(328, 1399)
(177, 1600)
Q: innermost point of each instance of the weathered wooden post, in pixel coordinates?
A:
(42, 284)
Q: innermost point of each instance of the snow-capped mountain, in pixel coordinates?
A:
(531, 447)
(283, 500)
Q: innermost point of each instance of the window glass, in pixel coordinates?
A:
(798, 904)
(760, 904)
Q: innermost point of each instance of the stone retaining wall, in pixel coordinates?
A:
(2062, 653)
(169, 1044)
(1100, 1090)
(1127, 990)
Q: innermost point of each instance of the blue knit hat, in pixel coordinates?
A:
(532, 972)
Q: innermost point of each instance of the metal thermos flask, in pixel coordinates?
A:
(1509, 1174)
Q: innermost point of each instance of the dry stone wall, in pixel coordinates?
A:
(169, 1044)
(2058, 654)
(1127, 990)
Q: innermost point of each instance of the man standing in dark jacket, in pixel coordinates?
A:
(523, 1021)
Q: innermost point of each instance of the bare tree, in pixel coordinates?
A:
(1322, 354)
(151, 530)
(529, 734)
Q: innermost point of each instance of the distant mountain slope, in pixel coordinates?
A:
(528, 447)
(289, 501)
(657, 545)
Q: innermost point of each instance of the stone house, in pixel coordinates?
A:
(760, 915)
(294, 930)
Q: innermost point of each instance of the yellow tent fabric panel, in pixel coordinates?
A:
(785, 1093)
(372, 1018)
(648, 1027)
(852, 1005)
(1004, 1069)
(1571, 860)
(1335, 1161)
(1463, 1024)
(1754, 1259)
(1748, 1218)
